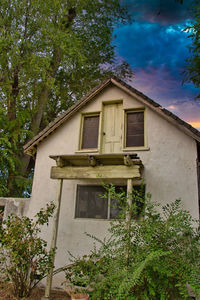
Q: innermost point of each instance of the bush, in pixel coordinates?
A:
(24, 258)
(153, 257)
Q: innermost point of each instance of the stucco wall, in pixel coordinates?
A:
(16, 206)
(169, 172)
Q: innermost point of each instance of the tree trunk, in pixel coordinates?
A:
(23, 169)
(12, 115)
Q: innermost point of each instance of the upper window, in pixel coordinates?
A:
(134, 128)
(90, 132)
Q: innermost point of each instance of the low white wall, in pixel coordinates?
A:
(16, 206)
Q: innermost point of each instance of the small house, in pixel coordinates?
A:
(117, 135)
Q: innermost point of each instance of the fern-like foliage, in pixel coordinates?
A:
(155, 257)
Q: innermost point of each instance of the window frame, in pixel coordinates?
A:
(108, 203)
(134, 110)
(83, 116)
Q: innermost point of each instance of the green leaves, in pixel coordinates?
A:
(152, 258)
(51, 54)
(192, 72)
(24, 257)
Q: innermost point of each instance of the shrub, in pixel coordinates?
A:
(24, 258)
(153, 257)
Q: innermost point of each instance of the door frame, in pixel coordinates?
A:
(103, 104)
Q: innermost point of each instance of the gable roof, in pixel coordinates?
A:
(30, 147)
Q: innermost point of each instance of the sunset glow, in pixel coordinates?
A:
(195, 124)
(172, 107)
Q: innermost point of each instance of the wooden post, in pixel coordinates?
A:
(54, 237)
(128, 216)
(129, 199)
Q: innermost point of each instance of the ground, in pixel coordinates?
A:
(5, 294)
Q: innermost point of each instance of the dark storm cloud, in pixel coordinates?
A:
(156, 47)
(161, 86)
(168, 91)
(146, 45)
(159, 11)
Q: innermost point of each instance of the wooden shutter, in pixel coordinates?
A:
(90, 132)
(135, 129)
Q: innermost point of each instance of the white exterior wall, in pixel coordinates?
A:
(169, 172)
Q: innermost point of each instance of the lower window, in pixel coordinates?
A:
(92, 202)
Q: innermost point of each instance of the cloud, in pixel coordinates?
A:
(172, 107)
(189, 111)
(165, 89)
(195, 124)
(162, 86)
(147, 45)
(156, 47)
(159, 11)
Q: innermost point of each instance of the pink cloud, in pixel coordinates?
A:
(159, 85)
(156, 83)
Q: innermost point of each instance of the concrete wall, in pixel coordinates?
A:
(169, 172)
(16, 206)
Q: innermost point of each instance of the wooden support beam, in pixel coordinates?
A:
(128, 216)
(83, 160)
(54, 237)
(92, 161)
(60, 162)
(127, 160)
(129, 199)
(98, 172)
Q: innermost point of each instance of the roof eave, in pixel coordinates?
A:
(166, 114)
(30, 147)
(61, 119)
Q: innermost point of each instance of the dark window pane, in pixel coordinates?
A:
(115, 206)
(135, 117)
(138, 199)
(90, 132)
(90, 204)
(134, 141)
(135, 129)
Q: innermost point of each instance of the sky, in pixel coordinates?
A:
(156, 47)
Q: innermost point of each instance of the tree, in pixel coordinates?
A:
(51, 53)
(192, 72)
